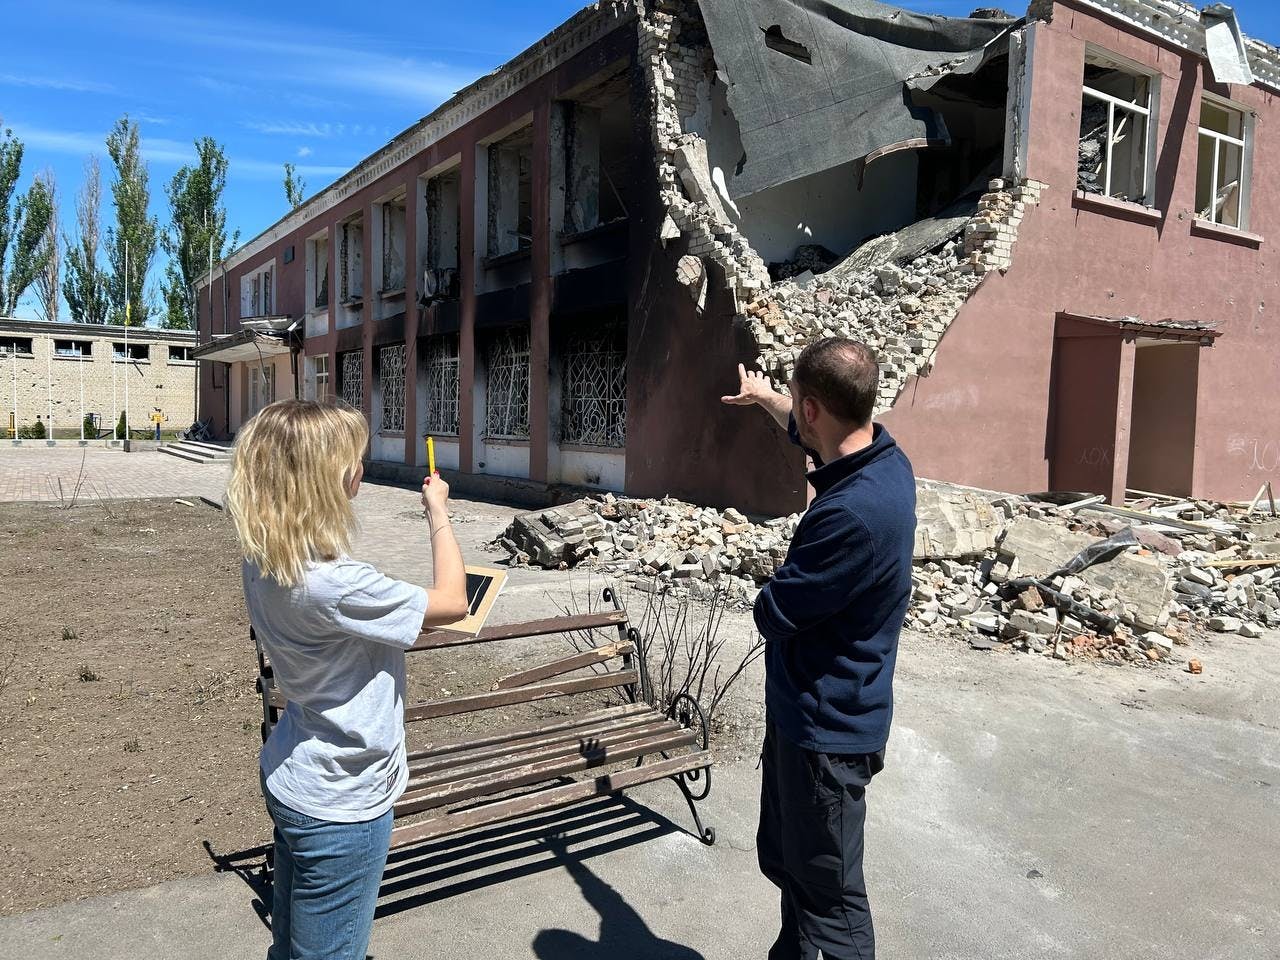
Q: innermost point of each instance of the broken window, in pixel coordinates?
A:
(439, 248)
(595, 388)
(393, 234)
(318, 273)
(81, 348)
(391, 380)
(15, 344)
(507, 391)
(597, 155)
(262, 387)
(318, 377)
(351, 261)
(442, 385)
(1115, 156)
(179, 355)
(511, 194)
(132, 352)
(353, 378)
(1223, 171)
(255, 293)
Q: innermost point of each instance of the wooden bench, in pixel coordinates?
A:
(465, 782)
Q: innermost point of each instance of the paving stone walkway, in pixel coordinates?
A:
(33, 474)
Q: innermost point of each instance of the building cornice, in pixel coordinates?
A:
(1179, 24)
(569, 39)
(42, 328)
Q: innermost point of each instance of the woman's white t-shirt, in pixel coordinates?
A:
(336, 643)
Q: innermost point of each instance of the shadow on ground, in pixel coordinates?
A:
(560, 840)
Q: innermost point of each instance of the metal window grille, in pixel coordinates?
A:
(391, 377)
(594, 389)
(353, 378)
(507, 393)
(442, 385)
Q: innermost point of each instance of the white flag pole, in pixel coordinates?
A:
(48, 381)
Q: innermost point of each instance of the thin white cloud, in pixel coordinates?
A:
(304, 151)
(289, 128)
(55, 83)
(160, 151)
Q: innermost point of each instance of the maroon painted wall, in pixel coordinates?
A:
(981, 417)
(1163, 433)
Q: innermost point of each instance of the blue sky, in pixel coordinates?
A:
(320, 85)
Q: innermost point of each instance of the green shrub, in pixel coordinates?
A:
(32, 431)
(90, 427)
(122, 428)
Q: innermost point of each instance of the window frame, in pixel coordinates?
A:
(1248, 123)
(1150, 113)
(122, 352)
(75, 354)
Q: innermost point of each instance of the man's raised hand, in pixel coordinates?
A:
(753, 387)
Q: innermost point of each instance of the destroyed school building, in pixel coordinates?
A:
(1056, 229)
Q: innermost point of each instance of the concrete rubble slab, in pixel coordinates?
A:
(1041, 548)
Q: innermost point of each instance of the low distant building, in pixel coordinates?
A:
(57, 373)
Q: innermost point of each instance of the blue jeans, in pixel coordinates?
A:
(326, 884)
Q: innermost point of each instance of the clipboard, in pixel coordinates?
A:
(484, 584)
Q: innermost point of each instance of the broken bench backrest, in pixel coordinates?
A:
(526, 686)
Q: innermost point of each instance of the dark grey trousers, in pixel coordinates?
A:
(812, 810)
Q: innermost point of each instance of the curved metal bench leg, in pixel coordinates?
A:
(689, 713)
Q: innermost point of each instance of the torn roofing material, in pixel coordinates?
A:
(817, 83)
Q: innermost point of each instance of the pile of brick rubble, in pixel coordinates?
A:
(974, 555)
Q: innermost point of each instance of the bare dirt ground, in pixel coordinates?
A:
(129, 720)
(129, 715)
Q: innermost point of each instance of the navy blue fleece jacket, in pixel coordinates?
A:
(832, 612)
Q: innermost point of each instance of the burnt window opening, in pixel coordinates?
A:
(510, 213)
(774, 39)
(318, 270)
(598, 139)
(439, 249)
(393, 238)
(1114, 157)
(351, 260)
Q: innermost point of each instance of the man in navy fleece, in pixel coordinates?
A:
(830, 618)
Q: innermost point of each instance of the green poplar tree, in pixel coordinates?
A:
(198, 221)
(131, 242)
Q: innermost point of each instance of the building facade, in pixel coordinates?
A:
(1052, 229)
(60, 373)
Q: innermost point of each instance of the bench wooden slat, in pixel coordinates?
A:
(548, 799)
(460, 757)
(557, 668)
(580, 746)
(433, 639)
(552, 725)
(487, 784)
(501, 698)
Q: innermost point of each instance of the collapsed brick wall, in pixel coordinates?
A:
(902, 313)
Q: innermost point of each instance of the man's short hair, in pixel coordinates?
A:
(842, 375)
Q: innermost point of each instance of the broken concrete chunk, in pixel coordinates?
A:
(952, 523)
(1224, 624)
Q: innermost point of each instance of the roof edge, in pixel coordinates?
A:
(574, 35)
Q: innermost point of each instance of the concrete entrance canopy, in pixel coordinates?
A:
(243, 346)
(1179, 330)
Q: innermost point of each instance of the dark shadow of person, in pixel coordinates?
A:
(623, 933)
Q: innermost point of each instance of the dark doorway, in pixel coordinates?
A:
(1162, 433)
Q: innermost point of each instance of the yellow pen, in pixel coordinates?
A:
(431, 456)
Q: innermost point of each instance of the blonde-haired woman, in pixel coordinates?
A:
(335, 630)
